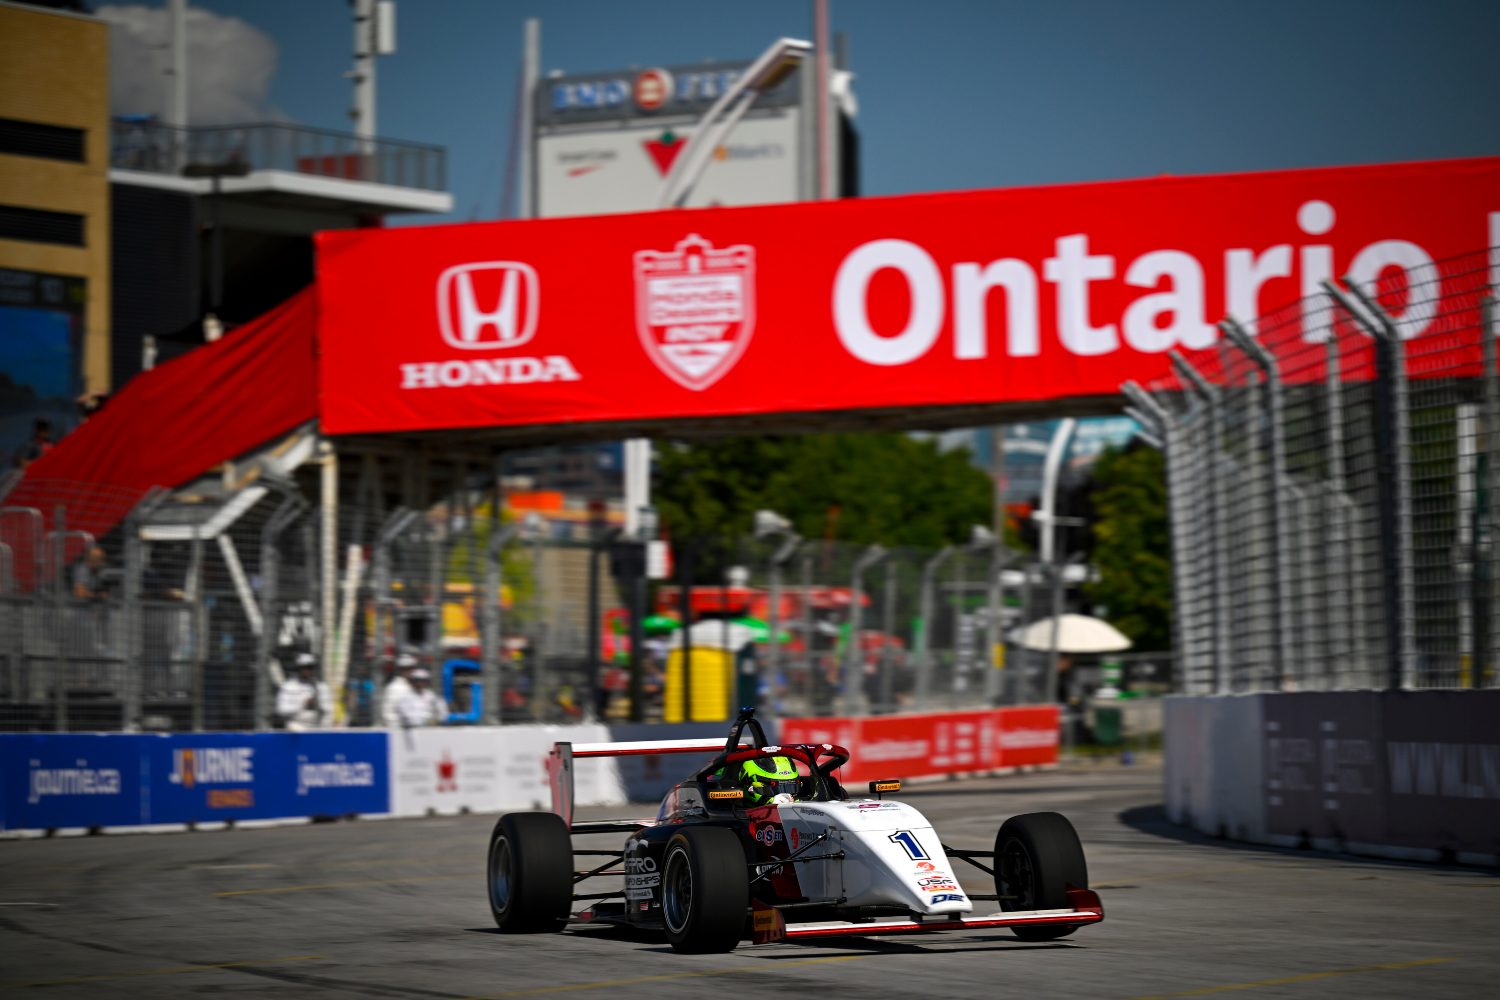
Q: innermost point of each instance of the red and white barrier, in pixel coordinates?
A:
(934, 744)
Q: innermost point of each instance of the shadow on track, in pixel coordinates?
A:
(1152, 820)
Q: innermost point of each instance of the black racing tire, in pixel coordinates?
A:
(705, 890)
(1037, 857)
(529, 872)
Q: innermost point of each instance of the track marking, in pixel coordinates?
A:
(665, 977)
(1306, 977)
(171, 970)
(337, 885)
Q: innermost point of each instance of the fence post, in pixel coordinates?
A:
(815, 685)
(1162, 426)
(923, 663)
(1288, 656)
(854, 701)
(59, 607)
(290, 508)
(491, 637)
(1218, 554)
(1491, 507)
(133, 651)
(200, 627)
(887, 628)
(1392, 485)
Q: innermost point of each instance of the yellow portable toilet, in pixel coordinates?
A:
(713, 678)
(715, 644)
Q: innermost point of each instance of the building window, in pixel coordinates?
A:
(53, 142)
(39, 226)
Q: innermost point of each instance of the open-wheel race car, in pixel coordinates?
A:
(764, 842)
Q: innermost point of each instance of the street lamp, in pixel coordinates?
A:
(768, 70)
(982, 539)
(212, 326)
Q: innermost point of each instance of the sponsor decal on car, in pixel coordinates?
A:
(949, 897)
(640, 865)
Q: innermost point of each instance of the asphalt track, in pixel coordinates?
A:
(397, 909)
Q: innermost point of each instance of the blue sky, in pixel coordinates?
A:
(956, 93)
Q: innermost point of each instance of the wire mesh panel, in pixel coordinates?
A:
(1358, 462)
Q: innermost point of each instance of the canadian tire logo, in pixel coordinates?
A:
(695, 308)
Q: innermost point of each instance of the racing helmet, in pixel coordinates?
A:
(766, 778)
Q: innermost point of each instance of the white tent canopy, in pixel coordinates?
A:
(1075, 634)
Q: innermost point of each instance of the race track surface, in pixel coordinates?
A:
(397, 909)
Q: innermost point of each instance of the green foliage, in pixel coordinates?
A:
(515, 562)
(1132, 545)
(876, 487)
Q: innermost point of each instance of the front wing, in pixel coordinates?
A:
(770, 926)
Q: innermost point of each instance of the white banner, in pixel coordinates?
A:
(447, 770)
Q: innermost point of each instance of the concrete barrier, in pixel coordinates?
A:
(1413, 775)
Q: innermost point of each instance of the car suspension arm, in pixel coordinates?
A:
(615, 858)
(969, 857)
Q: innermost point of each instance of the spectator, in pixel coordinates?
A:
(41, 442)
(303, 701)
(398, 688)
(421, 705)
(88, 576)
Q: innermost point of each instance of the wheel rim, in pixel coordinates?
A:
(1017, 877)
(677, 891)
(500, 874)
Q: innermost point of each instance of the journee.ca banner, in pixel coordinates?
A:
(958, 299)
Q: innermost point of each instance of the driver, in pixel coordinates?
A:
(769, 781)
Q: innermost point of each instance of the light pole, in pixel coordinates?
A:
(982, 539)
(212, 325)
(769, 524)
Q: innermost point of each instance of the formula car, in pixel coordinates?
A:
(712, 869)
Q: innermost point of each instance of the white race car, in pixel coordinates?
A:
(714, 867)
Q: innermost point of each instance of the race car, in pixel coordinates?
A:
(723, 860)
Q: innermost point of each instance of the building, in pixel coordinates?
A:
(54, 219)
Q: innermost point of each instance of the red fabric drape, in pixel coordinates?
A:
(173, 423)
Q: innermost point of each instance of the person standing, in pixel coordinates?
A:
(304, 702)
(397, 689)
(421, 706)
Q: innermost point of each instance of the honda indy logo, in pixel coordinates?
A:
(695, 308)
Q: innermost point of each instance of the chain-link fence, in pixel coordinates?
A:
(1332, 488)
(187, 610)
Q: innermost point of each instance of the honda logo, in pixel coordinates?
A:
(487, 306)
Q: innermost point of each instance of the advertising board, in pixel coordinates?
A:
(942, 300)
(67, 781)
(939, 743)
(47, 781)
(203, 777)
(622, 169)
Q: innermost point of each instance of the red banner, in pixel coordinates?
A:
(936, 743)
(924, 300)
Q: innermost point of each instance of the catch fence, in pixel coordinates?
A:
(1332, 479)
(187, 614)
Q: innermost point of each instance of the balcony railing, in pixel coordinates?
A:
(166, 149)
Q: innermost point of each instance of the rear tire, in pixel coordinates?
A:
(529, 872)
(1037, 857)
(705, 890)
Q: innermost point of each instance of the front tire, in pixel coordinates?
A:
(705, 890)
(529, 872)
(1037, 857)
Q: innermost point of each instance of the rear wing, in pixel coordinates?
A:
(560, 762)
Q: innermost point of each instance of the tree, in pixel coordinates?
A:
(861, 488)
(1132, 545)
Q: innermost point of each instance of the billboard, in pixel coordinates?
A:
(946, 300)
(622, 169)
(604, 142)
